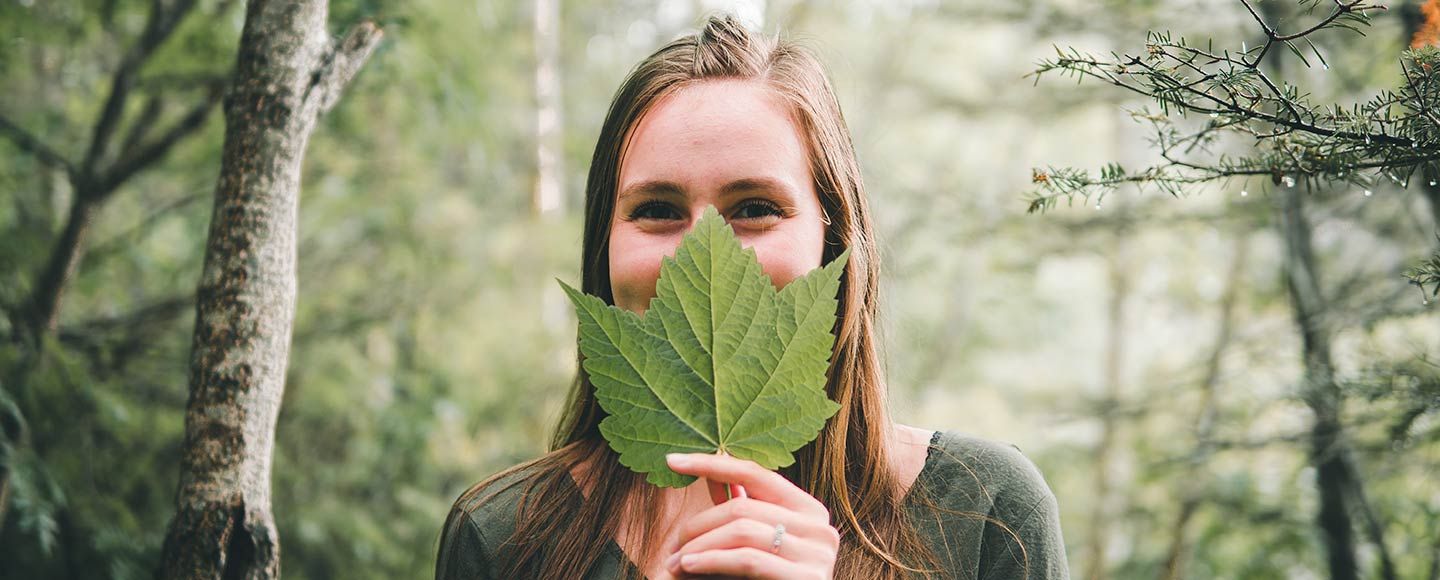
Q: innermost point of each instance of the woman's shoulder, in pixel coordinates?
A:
(983, 475)
(492, 502)
(968, 476)
(482, 516)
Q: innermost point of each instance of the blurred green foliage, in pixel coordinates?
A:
(432, 345)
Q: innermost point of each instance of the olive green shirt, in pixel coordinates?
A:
(1007, 525)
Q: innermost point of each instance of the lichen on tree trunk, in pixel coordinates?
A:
(287, 74)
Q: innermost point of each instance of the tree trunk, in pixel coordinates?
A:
(98, 176)
(549, 154)
(45, 304)
(1328, 450)
(1374, 526)
(287, 73)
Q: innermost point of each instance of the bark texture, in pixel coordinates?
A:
(60, 267)
(287, 73)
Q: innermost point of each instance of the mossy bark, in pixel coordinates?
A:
(287, 74)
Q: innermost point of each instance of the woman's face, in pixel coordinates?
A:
(726, 143)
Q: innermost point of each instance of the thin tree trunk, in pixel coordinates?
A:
(1374, 527)
(287, 73)
(549, 154)
(64, 257)
(1341, 485)
(1328, 452)
(101, 172)
(1192, 480)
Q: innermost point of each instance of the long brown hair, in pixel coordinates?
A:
(848, 468)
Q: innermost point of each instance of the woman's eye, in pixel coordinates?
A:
(757, 209)
(750, 210)
(653, 210)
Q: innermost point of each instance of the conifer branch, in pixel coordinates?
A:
(1394, 135)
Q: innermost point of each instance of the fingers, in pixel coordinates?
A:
(700, 532)
(759, 483)
(735, 537)
(746, 563)
(753, 534)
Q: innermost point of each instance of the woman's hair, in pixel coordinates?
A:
(848, 467)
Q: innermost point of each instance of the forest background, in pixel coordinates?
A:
(1144, 352)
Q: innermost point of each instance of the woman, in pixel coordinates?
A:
(751, 126)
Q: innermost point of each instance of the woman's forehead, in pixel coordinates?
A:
(716, 132)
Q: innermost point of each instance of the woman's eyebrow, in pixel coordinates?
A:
(653, 187)
(757, 184)
(661, 188)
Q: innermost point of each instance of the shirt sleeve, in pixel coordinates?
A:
(1031, 549)
(1012, 531)
(462, 549)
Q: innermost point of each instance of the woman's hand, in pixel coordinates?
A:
(737, 537)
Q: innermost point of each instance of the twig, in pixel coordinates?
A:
(33, 145)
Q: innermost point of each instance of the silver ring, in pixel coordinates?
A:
(779, 535)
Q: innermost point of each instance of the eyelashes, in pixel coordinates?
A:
(751, 209)
(653, 210)
(765, 208)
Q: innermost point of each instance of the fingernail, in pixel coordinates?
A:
(672, 560)
(677, 459)
(687, 560)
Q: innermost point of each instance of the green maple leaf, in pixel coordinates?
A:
(720, 362)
